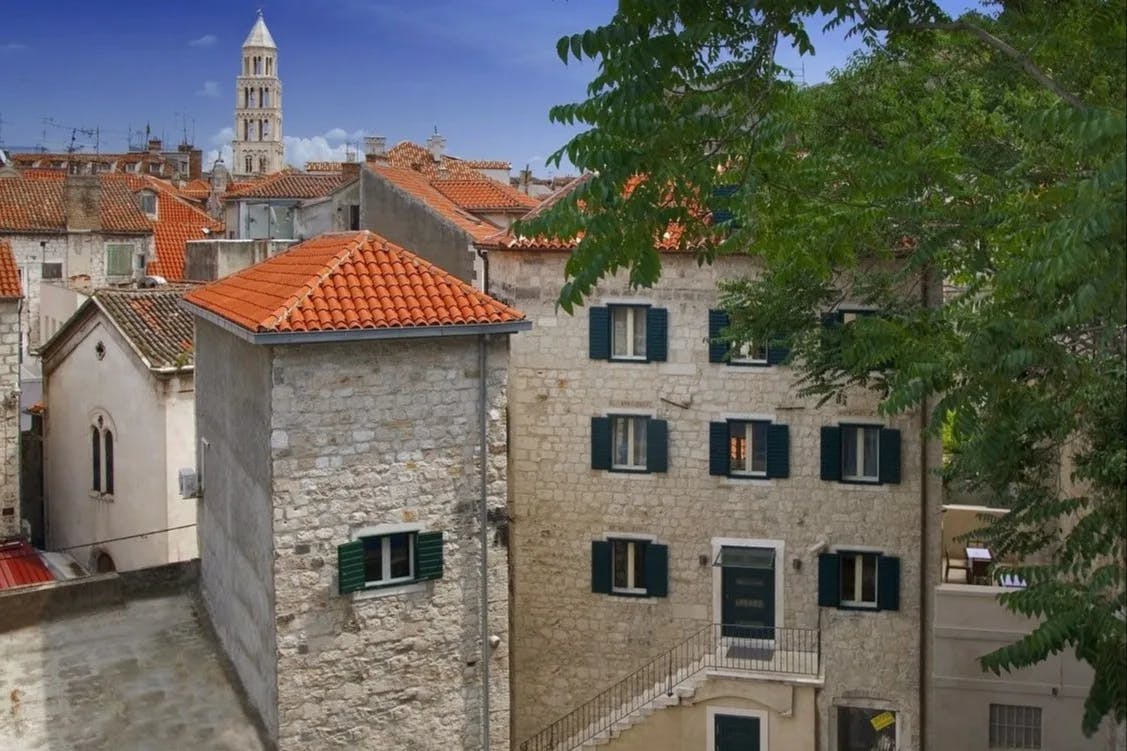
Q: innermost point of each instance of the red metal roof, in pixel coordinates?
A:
(21, 565)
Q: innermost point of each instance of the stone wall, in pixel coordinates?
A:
(570, 643)
(376, 433)
(9, 418)
(236, 517)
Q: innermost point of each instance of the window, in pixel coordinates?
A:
(262, 168)
(864, 729)
(51, 270)
(749, 448)
(629, 333)
(354, 216)
(747, 353)
(629, 443)
(147, 200)
(858, 580)
(1014, 726)
(249, 164)
(101, 457)
(383, 560)
(629, 567)
(861, 454)
(119, 259)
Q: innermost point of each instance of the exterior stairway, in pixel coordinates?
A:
(674, 677)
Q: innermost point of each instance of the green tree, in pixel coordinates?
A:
(965, 177)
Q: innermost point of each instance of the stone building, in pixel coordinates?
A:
(257, 147)
(698, 553)
(11, 298)
(351, 422)
(118, 389)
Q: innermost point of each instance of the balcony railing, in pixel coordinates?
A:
(717, 647)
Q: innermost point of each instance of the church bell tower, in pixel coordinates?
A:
(257, 147)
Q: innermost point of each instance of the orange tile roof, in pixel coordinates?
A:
(410, 155)
(177, 222)
(420, 187)
(37, 205)
(483, 194)
(9, 273)
(120, 211)
(487, 163)
(198, 189)
(347, 281)
(289, 184)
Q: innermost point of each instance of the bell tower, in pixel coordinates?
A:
(257, 146)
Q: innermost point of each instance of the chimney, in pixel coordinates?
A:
(375, 149)
(82, 195)
(195, 163)
(349, 171)
(525, 180)
(154, 145)
(436, 144)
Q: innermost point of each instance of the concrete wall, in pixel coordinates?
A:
(405, 220)
(787, 711)
(969, 623)
(9, 418)
(379, 433)
(570, 643)
(208, 260)
(135, 405)
(236, 516)
(57, 303)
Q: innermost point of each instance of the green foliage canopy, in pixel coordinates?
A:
(965, 177)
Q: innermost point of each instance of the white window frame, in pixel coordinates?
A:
(855, 433)
(130, 249)
(632, 544)
(748, 424)
(632, 422)
(1010, 730)
(385, 559)
(145, 196)
(746, 354)
(633, 313)
(710, 718)
(858, 578)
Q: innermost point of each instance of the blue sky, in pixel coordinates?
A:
(484, 72)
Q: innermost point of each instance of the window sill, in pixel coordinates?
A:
(749, 364)
(389, 590)
(631, 360)
(743, 481)
(859, 608)
(854, 485)
(99, 496)
(642, 596)
(638, 473)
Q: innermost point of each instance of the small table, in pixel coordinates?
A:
(978, 565)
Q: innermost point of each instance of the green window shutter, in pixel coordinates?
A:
(717, 322)
(657, 445)
(600, 443)
(657, 334)
(829, 580)
(777, 354)
(657, 570)
(890, 455)
(778, 451)
(888, 583)
(600, 566)
(831, 453)
(598, 330)
(428, 555)
(350, 567)
(719, 462)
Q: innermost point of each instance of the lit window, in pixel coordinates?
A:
(747, 448)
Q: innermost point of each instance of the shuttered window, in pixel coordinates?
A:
(629, 443)
(760, 354)
(629, 568)
(859, 581)
(749, 448)
(375, 561)
(860, 454)
(629, 333)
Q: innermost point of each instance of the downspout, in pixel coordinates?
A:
(483, 521)
(925, 536)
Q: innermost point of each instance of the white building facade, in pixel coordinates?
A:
(257, 147)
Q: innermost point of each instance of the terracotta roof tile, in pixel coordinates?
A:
(487, 163)
(21, 565)
(412, 156)
(153, 321)
(9, 273)
(198, 189)
(347, 281)
(483, 194)
(420, 187)
(177, 222)
(289, 184)
(36, 205)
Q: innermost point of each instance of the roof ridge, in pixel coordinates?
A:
(313, 283)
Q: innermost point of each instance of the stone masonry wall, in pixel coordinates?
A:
(373, 433)
(569, 643)
(235, 521)
(9, 418)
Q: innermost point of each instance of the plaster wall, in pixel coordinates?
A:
(236, 516)
(9, 418)
(376, 433)
(569, 643)
(79, 388)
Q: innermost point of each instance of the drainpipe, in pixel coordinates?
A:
(483, 521)
(925, 536)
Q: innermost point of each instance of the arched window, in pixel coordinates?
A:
(262, 164)
(249, 164)
(104, 564)
(96, 458)
(107, 442)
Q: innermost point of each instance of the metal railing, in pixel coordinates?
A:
(790, 651)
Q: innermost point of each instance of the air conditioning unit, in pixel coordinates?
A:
(189, 483)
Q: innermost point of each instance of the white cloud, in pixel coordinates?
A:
(210, 88)
(12, 47)
(315, 149)
(213, 154)
(223, 137)
(207, 40)
(336, 134)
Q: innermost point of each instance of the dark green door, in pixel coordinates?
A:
(747, 597)
(734, 733)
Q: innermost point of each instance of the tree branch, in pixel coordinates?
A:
(1027, 64)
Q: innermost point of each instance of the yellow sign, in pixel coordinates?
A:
(883, 720)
